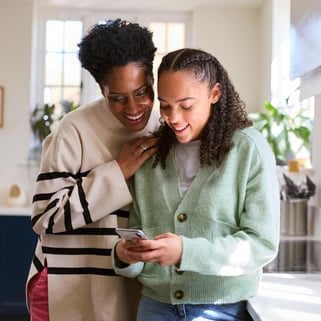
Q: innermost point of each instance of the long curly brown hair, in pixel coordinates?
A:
(227, 116)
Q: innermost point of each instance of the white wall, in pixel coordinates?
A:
(316, 147)
(265, 41)
(15, 66)
(280, 66)
(233, 36)
(311, 86)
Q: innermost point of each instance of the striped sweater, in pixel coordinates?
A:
(80, 197)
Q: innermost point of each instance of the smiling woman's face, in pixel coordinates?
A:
(185, 103)
(129, 94)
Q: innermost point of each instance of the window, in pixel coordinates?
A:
(62, 72)
(167, 36)
(58, 71)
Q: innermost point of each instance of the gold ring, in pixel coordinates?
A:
(144, 148)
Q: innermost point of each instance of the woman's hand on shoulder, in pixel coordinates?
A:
(134, 154)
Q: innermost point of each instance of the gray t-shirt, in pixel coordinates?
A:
(187, 158)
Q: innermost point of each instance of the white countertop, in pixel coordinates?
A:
(287, 297)
(15, 210)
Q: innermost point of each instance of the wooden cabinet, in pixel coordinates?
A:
(17, 244)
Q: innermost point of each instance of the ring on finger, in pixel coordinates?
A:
(143, 147)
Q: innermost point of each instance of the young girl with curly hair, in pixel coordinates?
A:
(208, 200)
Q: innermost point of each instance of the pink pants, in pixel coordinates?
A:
(38, 296)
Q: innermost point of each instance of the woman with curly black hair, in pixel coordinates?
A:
(208, 200)
(81, 193)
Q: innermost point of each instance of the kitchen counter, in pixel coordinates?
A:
(287, 297)
(15, 210)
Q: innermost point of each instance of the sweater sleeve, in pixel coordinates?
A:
(69, 196)
(127, 270)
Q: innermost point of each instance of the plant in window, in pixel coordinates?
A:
(44, 118)
(41, 120)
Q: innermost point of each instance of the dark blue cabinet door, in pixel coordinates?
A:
(17, 244)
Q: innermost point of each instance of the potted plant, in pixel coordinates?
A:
(43, 119)
(286, 128)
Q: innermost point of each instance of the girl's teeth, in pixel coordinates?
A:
(180, 128)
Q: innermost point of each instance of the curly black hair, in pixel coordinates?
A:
(116, 43)
(227, 115)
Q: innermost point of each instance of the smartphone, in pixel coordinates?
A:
(129, 234)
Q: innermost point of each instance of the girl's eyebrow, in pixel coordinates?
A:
(177, 101)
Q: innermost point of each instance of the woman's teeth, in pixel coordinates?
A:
(136, 117)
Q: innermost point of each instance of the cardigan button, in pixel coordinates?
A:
(182, 217)
(178, 295)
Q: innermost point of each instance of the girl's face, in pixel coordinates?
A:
(129, 94)
(185, 103)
